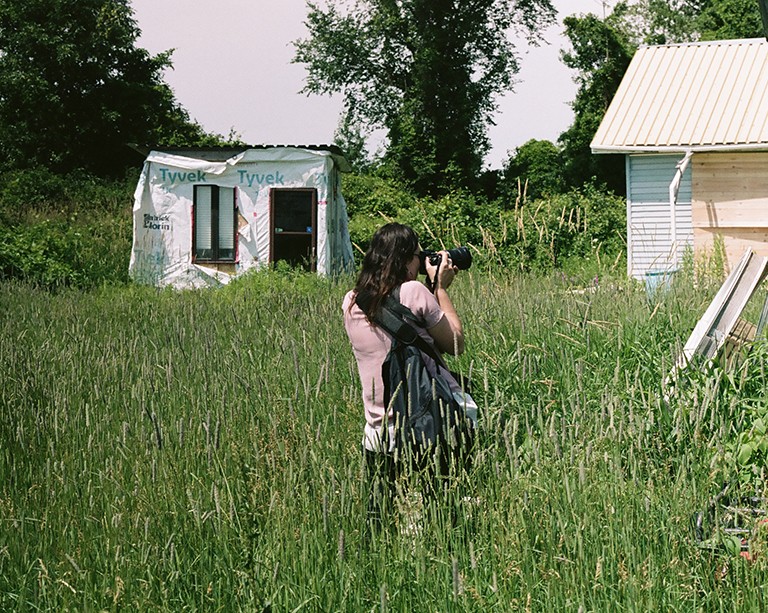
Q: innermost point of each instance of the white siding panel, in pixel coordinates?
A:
(648, 220)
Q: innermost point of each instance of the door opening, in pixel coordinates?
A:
(293, 227)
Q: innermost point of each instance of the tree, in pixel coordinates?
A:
(427, 71)
(729, 19)
(74, 88)
(601, 54)
(350, 138)
(656, 22)
(534, 169)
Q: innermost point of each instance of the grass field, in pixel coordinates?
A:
(177, 451)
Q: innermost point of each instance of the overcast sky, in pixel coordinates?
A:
(232, 70)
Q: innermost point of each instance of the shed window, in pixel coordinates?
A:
(214, 228)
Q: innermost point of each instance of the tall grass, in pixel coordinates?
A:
(200, 450)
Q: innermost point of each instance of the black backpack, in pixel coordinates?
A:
(428, 419)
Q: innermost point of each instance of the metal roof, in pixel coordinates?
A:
(706, 96)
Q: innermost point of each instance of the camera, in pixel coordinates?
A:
(460, 256)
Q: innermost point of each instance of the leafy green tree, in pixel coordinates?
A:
(655, 22)
(74, 88)
(427, 71)
(351, 139)
(534, 170)
(601, 54)
(729, 19)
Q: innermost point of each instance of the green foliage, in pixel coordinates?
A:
(76, 89)
(581, 225)
(371, 200)
(60, 230)
(447, 221)
(601, 54)
(722, 400)
(25, 194)
(729, 19)
(42, 253)
(742, 459)
(22, 192)
(350, 137)
(535, 169)
(280, 279)
(371, 195)
(546, 233)
(79, 252)
(656, 22)
(425, 71)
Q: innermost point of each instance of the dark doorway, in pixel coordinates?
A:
(293, 232)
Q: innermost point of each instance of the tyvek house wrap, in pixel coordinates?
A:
(163, 212)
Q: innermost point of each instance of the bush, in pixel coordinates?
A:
(41, 253)
(374, 196)
(540, 235)
(72, 230)
(54, 253)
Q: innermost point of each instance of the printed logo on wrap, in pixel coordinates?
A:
(157, 222)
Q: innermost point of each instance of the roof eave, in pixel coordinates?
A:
(629, 149)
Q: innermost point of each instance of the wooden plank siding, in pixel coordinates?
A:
(730, 200)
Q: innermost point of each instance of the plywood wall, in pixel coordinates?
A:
(730, 200)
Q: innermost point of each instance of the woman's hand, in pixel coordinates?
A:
(448, 333)
(443, 274)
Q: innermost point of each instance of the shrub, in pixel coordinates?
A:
(540, 235)
(374, 196)
(55, 252)
(72, 230)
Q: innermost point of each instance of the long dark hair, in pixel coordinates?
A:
(385, 265)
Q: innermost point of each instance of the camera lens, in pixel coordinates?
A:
(461, 257)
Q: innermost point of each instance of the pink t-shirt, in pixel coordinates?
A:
(371, 345)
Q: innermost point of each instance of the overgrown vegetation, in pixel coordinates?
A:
(171, 450)
(585, 226)
(58, 230)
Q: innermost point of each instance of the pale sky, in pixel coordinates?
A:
(232, 70)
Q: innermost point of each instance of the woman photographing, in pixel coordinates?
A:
(391, 265)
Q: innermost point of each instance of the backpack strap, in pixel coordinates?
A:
(392, 318)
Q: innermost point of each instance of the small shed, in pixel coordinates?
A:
(202, 216)
(692, 121)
